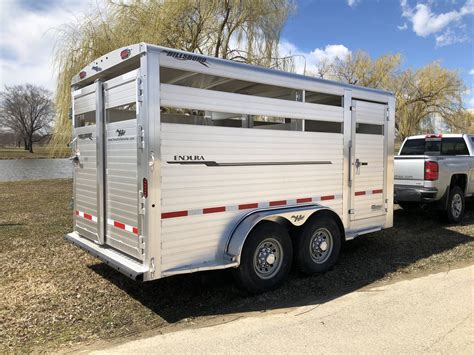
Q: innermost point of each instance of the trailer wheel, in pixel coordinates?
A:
(266, 258)
(318, 245)
(456, 205)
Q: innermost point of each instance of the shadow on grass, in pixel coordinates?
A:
(415, 236)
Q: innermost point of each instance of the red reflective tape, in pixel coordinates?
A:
(247, 206)
(213, 210)
(377, 191)
(119, 225)
(88, 216)
(325, 198)
(278, 203)
(360, 193)
(304, 200)
(174, 214)
(135, 230)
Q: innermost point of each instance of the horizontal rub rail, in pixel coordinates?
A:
(247, 206)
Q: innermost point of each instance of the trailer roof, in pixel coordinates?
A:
(128, 57)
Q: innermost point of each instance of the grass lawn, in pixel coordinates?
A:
(39, 152)
(54, 295)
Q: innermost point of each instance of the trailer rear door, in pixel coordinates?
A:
(87, 172)
(122, 188)
(107, 189)
(369, 160)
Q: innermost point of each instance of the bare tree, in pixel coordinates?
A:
(28, 111)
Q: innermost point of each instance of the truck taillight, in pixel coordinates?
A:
(145, 188)
(431, 170)
(82, 75)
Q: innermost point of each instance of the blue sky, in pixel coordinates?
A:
(421, 30)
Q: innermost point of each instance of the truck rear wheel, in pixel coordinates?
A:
(456, 205)
(266, 258)
(318, 245)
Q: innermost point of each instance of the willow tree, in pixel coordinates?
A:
(420, 94)
(430, 90)
(241, 30)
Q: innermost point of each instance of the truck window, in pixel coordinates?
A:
(454, 146)
(420, 146)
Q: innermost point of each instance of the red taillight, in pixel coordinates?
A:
(145, 188)
(82, 74)
(125, 53)
(431, 170)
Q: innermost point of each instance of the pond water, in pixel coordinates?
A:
(34, 169)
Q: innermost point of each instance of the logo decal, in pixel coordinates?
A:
(199, 159)
(185, 56)
(298, 217)
(120, 132)
(189, 158)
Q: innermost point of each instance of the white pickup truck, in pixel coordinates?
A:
(436, 170)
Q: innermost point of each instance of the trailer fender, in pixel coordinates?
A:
(296, 215)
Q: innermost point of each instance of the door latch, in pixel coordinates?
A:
(358, 164)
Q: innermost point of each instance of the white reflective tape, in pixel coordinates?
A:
(195, 212)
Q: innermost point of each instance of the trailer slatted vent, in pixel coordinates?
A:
(218, 83)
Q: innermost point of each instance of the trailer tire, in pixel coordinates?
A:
(318, 245)
(266, 258)
(456, 205)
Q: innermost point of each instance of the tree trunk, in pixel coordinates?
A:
(30, 144)
(25, 142)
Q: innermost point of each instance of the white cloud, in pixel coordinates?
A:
(425, 22)
(330, 53)
(450, 37)
(311, 60)
(352, 3)
(471, 71)
(27, 39)
(403, 27)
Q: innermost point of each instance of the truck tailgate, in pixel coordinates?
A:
(410, 170)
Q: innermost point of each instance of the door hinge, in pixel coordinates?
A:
(141, 202)
(141, 243)
(139, 90)
(351, 211)
(140, 137)
(387, 112)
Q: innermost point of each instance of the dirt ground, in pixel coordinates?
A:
(54, 296)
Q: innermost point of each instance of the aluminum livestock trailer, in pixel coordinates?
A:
(186, 163)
